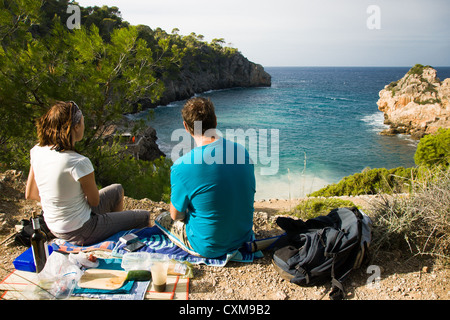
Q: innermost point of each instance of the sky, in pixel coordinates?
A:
(307, 33)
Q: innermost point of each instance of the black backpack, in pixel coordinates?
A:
(323, 248)
(23, 237)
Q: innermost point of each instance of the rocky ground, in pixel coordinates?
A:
(402, 277)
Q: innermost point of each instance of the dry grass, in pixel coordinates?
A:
(419, 221)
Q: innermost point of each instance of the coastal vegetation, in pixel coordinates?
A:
(369, 181)
(109, 67)
(313, 207)
(433, 151)
(417, 69)
(413, 212)
(418, 222)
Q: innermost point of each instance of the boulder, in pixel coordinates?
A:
(142, 145)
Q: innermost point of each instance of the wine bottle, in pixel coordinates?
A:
(38, 244)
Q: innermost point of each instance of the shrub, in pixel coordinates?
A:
(311, 208)
(434, 149)
(417, 69)
(419, 222)
(370, 181)
(140, 179)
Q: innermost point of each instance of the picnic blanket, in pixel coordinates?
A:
(155, 242)
(135, 290)
(23, 285)
(26, 285)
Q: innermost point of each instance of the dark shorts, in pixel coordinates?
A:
(103, 222)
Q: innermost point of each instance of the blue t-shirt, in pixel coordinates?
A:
(215, 183)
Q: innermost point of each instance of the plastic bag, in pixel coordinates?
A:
(81, 259)
(59, 276)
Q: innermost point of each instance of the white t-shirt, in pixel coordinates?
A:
(63, 201)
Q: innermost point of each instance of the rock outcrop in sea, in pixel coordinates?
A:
(142, 145)
(418, 104)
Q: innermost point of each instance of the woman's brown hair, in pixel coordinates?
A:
(54, 128)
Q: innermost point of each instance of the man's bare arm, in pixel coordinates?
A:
(175, 214)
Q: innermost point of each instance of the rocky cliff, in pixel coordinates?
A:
(417, 104)
(195, 76)
(223, 72)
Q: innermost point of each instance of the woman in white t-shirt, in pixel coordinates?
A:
(64, 182)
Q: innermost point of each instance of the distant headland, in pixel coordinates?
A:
(231, 71)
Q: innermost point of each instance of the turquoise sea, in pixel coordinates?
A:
(312, 127)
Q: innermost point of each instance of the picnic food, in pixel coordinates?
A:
(139, 275)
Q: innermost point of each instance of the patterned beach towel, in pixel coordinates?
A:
(156, 242)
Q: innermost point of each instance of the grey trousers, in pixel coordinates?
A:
(104, 223)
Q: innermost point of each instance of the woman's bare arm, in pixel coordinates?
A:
(31, 190)
(90, 189)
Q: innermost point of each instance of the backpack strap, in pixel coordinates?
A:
(337, 290)
(337, 287)
(304, 272)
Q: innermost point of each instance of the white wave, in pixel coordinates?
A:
(410, 141)
(287, 186)
(164, 147)
(339, 99)
(375, 121)
(173, 104)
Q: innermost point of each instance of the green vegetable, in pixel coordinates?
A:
(139, 275)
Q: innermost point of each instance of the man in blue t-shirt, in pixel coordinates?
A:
(212, 189)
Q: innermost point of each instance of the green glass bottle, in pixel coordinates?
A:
(39, 245)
